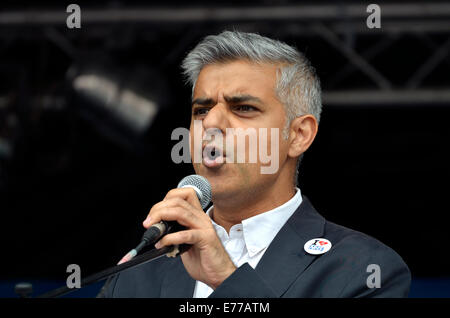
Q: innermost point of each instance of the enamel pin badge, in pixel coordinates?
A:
(317, 246)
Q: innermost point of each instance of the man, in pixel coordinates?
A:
(260, 238)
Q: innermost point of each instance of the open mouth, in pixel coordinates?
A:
(213, 156)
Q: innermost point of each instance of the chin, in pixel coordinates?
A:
(212, 174)
(221, 183)
(232, 182)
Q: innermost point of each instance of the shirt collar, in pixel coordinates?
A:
(261, 229)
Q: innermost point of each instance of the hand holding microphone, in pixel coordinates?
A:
(206, 260)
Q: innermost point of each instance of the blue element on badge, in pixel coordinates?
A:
(317, 246)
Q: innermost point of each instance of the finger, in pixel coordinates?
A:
(149, 220)
(180, 211)
(187, 194)
(182, 237)
(166, 204)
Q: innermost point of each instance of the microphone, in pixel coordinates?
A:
(201, 187)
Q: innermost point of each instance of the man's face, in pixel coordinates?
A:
(234, 95)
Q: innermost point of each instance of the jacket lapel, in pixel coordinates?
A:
(285, 258)
(177, 283)
(282, 263)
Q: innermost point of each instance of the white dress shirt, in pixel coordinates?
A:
(248, 240)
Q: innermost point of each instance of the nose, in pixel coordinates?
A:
(216, 118)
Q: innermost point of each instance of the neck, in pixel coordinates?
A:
(232, 212)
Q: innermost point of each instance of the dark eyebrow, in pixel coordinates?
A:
(242, 98)
(206, 101)
(203, 101)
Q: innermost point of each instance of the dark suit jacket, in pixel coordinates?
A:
(285, 270)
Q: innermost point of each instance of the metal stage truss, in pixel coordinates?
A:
(338, 26)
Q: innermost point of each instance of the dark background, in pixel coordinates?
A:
(75, 186)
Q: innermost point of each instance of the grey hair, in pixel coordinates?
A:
(297, 85)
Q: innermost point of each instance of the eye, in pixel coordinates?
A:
(200, 111)
(245, 108)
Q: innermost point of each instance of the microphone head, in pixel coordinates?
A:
(201, 187)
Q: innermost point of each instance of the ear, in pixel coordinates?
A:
(302, 132)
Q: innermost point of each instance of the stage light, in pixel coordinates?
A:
(115, 101)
